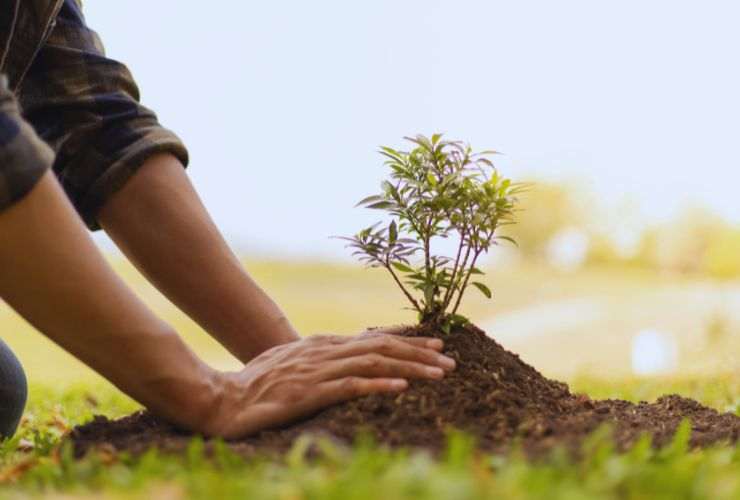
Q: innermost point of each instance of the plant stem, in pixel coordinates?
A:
(465, 283)
(458, 285)
(427, 250)
(463, 266)
(451, 288)
(403, 288)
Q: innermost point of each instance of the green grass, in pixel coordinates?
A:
(366, 471)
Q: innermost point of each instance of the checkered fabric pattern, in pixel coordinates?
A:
(23, 156)
(85, 109)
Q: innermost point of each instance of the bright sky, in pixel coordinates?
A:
(283, 103)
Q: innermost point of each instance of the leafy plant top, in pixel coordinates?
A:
(438, 189)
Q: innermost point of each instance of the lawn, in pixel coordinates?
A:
(334, 298)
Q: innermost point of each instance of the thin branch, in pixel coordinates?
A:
(427, 247)
(465, 283)
(450, 289)
(461, 275)
(403, 288)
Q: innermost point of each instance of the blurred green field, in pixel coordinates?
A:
(546, 316)
(565, 324)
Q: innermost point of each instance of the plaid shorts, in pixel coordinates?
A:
(78, 112)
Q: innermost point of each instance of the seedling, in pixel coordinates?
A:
(439, 189)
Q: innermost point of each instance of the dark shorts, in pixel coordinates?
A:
(13, 391)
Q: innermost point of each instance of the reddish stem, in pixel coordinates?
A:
(403, 288)
(465, 283)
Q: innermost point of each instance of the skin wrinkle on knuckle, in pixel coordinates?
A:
(351, 385)
(373, 361)
(385, 344)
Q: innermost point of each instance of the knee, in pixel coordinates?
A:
(13, 391)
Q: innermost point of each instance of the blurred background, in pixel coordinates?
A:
(624, 115)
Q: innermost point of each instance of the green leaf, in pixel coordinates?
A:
(392, 233)
(475, 270)
(374, 197)
(381, 205)
(402, 267)
(483, 288)
(504, 187)
(458, 319)
(509, 239)
(392, 154)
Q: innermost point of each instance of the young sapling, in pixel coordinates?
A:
(439, 189)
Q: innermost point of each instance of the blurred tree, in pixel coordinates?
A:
(548, 209)
(697, 241)
(681, 245)
(722, 256)
(602, 251)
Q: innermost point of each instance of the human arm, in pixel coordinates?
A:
(123, 170)
(53, 275)
(159, 222)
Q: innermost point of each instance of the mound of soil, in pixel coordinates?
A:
(492, 395)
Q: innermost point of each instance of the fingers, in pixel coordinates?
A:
(387, 330)
(422, 342)
(337, 391)
(328, 339)
(377, 366)
(391, 347)
(396, 331)
(427, 342)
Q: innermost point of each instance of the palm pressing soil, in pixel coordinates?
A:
(492, 395)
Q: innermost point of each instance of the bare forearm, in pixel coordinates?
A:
(159, 222)
(54, 276)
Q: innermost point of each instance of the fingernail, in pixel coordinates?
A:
(435, 344)
(446, 361)
(399, 384)
(435, 372)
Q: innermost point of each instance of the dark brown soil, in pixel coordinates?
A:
(492, 395)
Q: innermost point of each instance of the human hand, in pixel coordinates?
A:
(297, 379)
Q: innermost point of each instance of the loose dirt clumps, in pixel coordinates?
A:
(492, 395)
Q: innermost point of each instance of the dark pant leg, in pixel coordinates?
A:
(13, 391)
